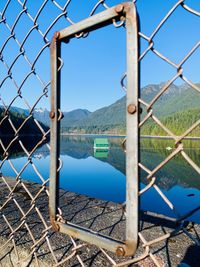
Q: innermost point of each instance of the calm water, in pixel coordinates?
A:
(102, 175)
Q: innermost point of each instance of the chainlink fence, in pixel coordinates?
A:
(26, 234)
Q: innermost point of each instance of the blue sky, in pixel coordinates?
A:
(94, 65)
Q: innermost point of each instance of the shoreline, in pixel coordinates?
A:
(91, 135)
(122, 135)
(169, 137)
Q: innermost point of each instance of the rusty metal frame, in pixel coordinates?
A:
(127, 12)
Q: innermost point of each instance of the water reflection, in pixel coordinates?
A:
(104, 177)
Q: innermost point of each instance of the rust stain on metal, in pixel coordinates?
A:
(120, 251)
(127, 8)
(131, 108)
(119, 8)
(130, 247)
(55, 226)
(56, 35)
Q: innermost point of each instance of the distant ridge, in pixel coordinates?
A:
(18, 117)
(178, 100)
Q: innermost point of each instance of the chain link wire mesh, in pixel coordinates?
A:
(26, 233)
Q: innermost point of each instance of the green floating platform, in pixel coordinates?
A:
(101, 143)
(101, 147)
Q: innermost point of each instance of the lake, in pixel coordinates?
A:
(102, 175)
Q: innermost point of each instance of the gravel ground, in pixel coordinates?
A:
(105, 217)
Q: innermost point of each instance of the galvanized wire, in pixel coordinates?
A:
(23, 205)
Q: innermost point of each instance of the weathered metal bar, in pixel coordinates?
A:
(92, 237)
(128, 11)
(93, 21)
(132, 131)
(55, 131)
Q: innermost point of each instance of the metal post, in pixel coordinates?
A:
(132, 130)
(55, 129)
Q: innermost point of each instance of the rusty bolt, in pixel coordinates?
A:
(119, 8)
(52, 114)
(120, 251)
(56, 35)
(131, 108)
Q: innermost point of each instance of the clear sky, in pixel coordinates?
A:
(93, 66)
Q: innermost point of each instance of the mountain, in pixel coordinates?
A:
(73, 117)
(178, 102)
(42, 115)
(20, 111)
(14, 127)
(179, 105)
(175, 99)
(104, 119)
(69, 119)
(110, 115)
(178, 109)
(16, 121)
(177, 123)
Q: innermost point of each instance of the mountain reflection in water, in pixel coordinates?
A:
(104, 178)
